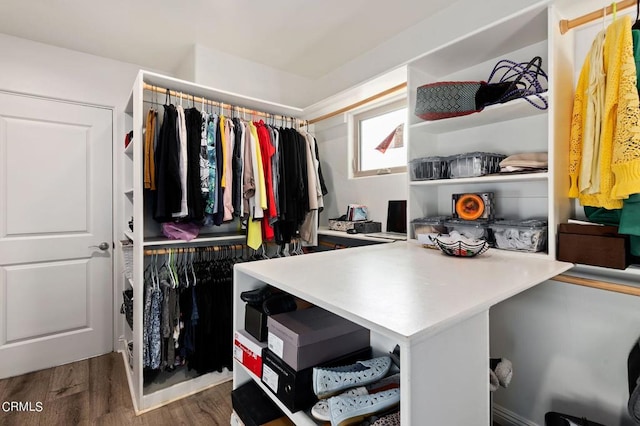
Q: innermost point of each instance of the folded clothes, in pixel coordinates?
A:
(536, 160)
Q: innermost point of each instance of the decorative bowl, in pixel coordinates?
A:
(462, 249)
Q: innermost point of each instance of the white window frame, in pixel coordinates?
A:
(373, 110)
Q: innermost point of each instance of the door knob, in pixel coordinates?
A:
(102, 246)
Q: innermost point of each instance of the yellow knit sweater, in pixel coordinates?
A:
(619, 155)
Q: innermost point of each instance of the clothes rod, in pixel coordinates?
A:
(194, 249)
(567, 24)
(602, 285)
(222, 105)
(360, 103)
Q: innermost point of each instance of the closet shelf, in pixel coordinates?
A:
(300, 418)
(203, 238)
(511, 110)
(129, 149)
(483, 179)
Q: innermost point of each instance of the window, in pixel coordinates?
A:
(373, 127)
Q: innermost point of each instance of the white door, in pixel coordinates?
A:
(55, 233)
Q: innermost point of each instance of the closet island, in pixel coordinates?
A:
(435, 307)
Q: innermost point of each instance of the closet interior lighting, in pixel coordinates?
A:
(567, 24)
(200, 100)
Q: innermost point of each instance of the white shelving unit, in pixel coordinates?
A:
(508, 128)
(409, 296)
(147, 234)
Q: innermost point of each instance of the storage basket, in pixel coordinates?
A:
(127, 257)
(446, 99)
(428, 168)
(426, 229)
(474, 164)
(127, 306)
(520, 235)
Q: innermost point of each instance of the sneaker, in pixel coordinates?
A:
(330, 381)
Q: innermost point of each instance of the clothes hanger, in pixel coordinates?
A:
(636, 25)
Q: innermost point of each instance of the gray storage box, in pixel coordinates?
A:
(309, 337)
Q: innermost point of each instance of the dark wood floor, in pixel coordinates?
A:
(95, 392)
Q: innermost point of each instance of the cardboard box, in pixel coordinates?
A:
(255, 322)
(253, 406)
(248, 351)
(295, 388)
(593, 245)
(309, 337)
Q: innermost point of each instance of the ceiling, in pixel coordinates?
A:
(305, 37)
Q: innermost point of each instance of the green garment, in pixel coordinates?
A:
(628, 218)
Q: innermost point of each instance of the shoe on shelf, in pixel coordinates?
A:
(347, 410)
(494, 383)
(321, 409)
(257, 296)
(332, 380)
(503, 370)
(392, 419)
(558, 419)
(279, 303)
(395, 355)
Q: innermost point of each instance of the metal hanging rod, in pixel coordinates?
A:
(602, 285)
(178, 250)
(567, 24)
(202, 100)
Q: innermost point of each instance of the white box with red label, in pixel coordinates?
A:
(248, 351)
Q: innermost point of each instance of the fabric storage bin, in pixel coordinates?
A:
(474, 164)
(478, 230)
(427, 228)
(428, 168)
(520, 235)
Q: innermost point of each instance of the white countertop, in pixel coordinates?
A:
(402, 289)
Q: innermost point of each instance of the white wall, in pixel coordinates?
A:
(569, 347)
(227, 72)
(453, 22)
(374, 192)
(44, 70)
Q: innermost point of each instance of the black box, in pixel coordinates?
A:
(593, 245)
(295, 388)
(255, 322)
(253, 405)
(367, 227)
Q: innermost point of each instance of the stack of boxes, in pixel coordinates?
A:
(282, 349)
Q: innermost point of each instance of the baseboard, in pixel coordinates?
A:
(508, 418)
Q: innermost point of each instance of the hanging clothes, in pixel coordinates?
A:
(193, 124)
(149, 156)
(169, 188)
(619, 149)
(181, 130)
(187, 318)
(238, 143)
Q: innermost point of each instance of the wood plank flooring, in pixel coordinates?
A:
(95, 392)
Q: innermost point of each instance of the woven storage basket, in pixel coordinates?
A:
(127, 306)
(447, 99)
(127, 255)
